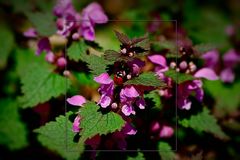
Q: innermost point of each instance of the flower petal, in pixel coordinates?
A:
(30, 33)
(127, 110)
(105, 101)
(206, 73)
(227, 75)
(158, 59)
(103, 78)
(130, 92)
(76, 123)
(211, 58)
(166, 132)
(76, 100)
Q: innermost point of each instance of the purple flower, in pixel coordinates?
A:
(227, 75)
(106, 89)
(230, 59)
(160, 61)
(136, 66)
(30, 33)
(43, 45)
(163, 131)
(211, 58)
(91, 15)
(76, 100)
(206, 73)
(184, 91)
(64, 8)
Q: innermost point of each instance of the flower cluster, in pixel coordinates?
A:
(71, 25)
(114, 93)
(184, 65)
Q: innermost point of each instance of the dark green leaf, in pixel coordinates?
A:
(179, 77)
(204, 121)
(227, 97)
(58, 136)
(39, 82)
(77, 50)
(43, 22)
(6, 45)
(140, 156)
(96, 64)
(155, 97)
(13, 133)
(94, 122)
(146, 79)
(165, 151)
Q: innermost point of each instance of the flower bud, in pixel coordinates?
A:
(124, 51)
(172, 65)
(75, 36)
(61, 62)
(50, 57)
(183, 65)
(114, 105)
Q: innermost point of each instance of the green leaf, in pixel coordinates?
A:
(6, 45)
(43, 22)
(178, 77)
(13, 133)
(94, 122)
(40, 84)
(146, 79)
(204, 47)
(227, 96)
(206, 122)
(155, 97)
(165, 151)
(96, 64)
(140, 156)
(58, 136)
(86, 79)
(77, 50)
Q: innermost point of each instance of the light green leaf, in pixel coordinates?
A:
(77, 50)
(227, 96)
(140, 156)
(40, 83)
(146, 79)
(6, 45)
(13, 133)
(165, 151)
(178, 77)
(204, 121)
(95, 122)
(58, 136)
(43, 22)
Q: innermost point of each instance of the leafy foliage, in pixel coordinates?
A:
(140, 156)
(165, 151)
(154, 96)
(58, 136)
(179, 77)
(204, 121)
(13, 132)
(96, 64)
(227, 97)
(94, 122)
(146, 79)
(6, 44)
(39, 82)
(77, 50)
(43, 22)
